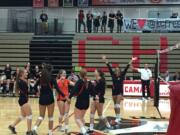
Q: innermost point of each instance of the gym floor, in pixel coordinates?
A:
(132, 110)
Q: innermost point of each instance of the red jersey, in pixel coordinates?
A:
(174, 120)
(64, 86)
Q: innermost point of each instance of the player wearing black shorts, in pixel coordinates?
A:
(98, 101)
(46, 99)
(83, 89)
(22, 90)
(117, 90)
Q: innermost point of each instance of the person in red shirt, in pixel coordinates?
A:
(174, 120)
(81, 21)
(62, 102)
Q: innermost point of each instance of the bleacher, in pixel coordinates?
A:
(14, 49)
(87, 50)
(82, 49)
(56, 50)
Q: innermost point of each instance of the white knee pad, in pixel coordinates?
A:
(92, 115)
(50, 118)
(101, 117)
(117, 106)
(29, 117)
(40, 118)
(66, 115)
(21, 117)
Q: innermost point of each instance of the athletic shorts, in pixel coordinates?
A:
(22, 101)
(101, 99)
(116, 92)
(82, 105)
(46, 100)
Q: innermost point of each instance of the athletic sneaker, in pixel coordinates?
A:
(118, 120)
(13, 130)
(29, 133)
(67, 131)
(90, 131)
(34, 132)
(61, 129)
(149, 98)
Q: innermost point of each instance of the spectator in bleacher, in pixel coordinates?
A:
(44, 19)
(167, 76)
(7, 73)
(36, 72)
(96, 21)
(81, 21)
(176, 76)
(119, 18)
(111, 21)
(89, 20)
(1, 80)
(104, 22)
(174, 15)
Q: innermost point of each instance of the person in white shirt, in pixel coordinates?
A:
(146, 76)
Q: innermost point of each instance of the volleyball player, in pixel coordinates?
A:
(46, 99)
(63, 104)
(98, 101)
(82, 90)
(22, 90)
(117, 89)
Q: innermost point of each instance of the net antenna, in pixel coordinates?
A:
(157, 77)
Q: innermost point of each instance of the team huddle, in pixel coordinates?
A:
(83, 89)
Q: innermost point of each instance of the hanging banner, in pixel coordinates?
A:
(38, 3)
(53, 3)
(151, 25)
(68, 3)
(134, 2)
(83, 3)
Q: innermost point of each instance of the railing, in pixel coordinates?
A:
(54, 26)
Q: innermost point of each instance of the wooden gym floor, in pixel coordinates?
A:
(130, 107)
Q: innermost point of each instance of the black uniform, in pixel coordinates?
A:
(23, 92)
(44, 17)
(46, 92)
(99, 89)
(111, 22)
(119, 17)
(104, 20)
(83, 90)
(117, 88)
(89, 18)
(7, 72)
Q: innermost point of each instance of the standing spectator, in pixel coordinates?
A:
(119, 18)
(176, 76)
(44, 19)
(81, 21)
(89, 18)
(7, 73)
(96, 22)
(111, 21)
(146, 76)
(104, 22)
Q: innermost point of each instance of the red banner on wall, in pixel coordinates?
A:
(53, 3)
(38, 3)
